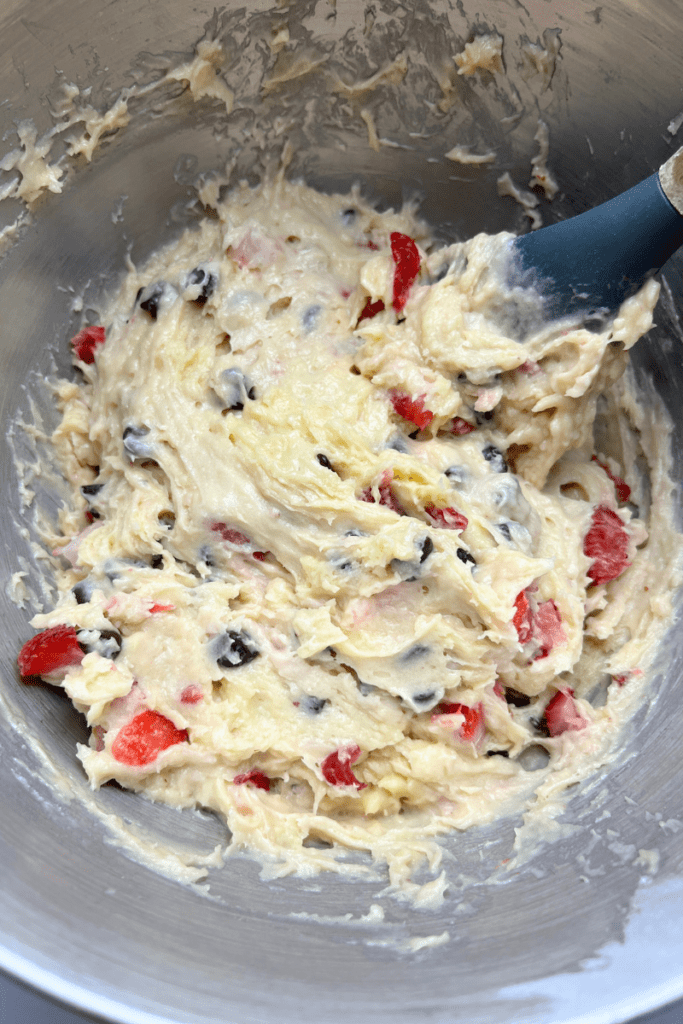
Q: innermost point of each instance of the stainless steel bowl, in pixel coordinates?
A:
(582, 932)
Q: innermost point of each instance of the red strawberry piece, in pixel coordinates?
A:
(53, 651)
(260, 556)
(229, 534)
(192, 694)
(522, 620)
(407, 259)
(336, 767)
(143, 738)
(606, 543)
(473, 728)
(386, 495)
(548, 631)
(446, 518)
(157, 608)
(255, 778)
(460, 427)
(85, 343)
(371, 245)
(562, 714)
(621, 677)
(370, 309)
(620, 486)
(412, 409)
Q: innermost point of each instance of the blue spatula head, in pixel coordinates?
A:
(583, 268)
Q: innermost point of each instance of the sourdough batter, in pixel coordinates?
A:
(341, 556)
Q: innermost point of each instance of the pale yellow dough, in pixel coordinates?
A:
(250, 498)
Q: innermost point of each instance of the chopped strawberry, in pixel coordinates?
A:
(473, 728)
(607, 544)
(336, 767)
(86, 341)
(407, 259)
(620, 486)
(412, 409)
(254, 778)
(157, 608)
(142, 740)
(50, 653)
(192, 694)
(460, 427)
(562, 714)
(260, 556)
(522, 620)
(386, 495)
(548, 631)
(370, 245)
(227, 533)
(446, 518)
(370, 309)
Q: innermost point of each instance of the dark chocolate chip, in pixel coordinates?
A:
(107, 644)
(426, 698)
(324, 461)
(465, 556)
(234, 389)
(457, 474)
(157, 562)
(89, 490)
(208, 281)
(499, 753)
(427, 548)
(416, 651)
(495, 457)
(540, 725)
(505, 530)
(516, 698)
(313, 705)
(234, 648)
(83, 591)
(152, 298)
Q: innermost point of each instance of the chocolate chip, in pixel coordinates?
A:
(516, 698)
(106, 642)
(233, 649)
(83, 591)
(207, 282)
(133, 444)
(495, 457)
(427, 548)
(416, 651)
(324, 461)
(505, 530)
(152, 299)
(499, 753)
(234, 389)
(157, 562)
(540, 725)
(313, 705)
(89, 490)
(465, 556)
(424, 699)
(457, 475)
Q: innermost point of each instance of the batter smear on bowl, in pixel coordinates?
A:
(340, 552)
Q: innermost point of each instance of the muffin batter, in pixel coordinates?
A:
(342, 563)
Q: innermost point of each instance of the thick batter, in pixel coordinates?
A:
(343, 563)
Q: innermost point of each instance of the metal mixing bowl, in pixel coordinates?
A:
(582, 932)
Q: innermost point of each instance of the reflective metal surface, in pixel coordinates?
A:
(580, 933)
